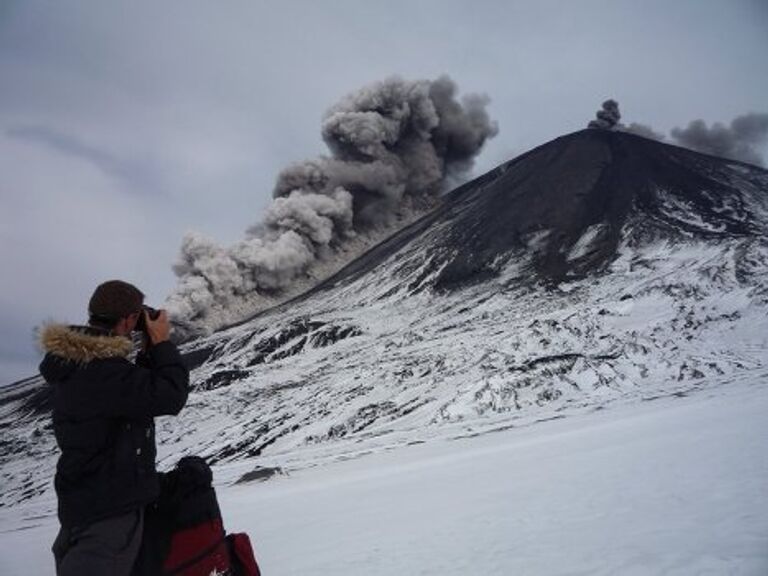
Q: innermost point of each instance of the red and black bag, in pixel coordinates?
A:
(184, 533)
(241, 555)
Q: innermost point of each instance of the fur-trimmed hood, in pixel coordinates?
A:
(82, 344)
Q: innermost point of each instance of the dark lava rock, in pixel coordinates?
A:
(259, 474)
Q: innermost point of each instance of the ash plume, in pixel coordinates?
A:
(394, 146)
(739, 141)
(607, 118)
(742, 140)
(643, 130)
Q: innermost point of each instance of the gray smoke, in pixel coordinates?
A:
(643, 130)
(741, 140)
(394, 145)
(607, 118)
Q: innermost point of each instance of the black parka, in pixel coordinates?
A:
(103, 417)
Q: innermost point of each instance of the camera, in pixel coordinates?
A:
(153, 314)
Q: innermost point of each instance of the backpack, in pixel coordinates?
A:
(184, 533)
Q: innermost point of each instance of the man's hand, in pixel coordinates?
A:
(158, 330)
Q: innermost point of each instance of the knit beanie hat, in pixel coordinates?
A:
(113, 300)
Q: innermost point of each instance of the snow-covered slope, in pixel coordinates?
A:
(674, 487)
(598, 269)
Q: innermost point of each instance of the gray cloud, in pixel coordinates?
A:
(138, 176)
(607, 117)
(18, 352)
(643, 130)
(393, 145)
(741, 140)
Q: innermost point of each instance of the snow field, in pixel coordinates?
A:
(676, 486)
(673, 487)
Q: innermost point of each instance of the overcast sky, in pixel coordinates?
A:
(124, 125)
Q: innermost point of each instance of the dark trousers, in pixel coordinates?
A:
(107, 547)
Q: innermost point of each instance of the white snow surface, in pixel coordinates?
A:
(675, 486)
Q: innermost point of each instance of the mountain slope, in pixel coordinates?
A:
(593, 182)
(598, 268)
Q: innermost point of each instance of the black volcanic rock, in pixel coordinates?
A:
(610, 183)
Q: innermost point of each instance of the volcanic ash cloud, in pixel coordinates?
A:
(741, 140)
(393, 146)
(607, 117)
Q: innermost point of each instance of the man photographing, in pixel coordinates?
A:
(103, 418)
